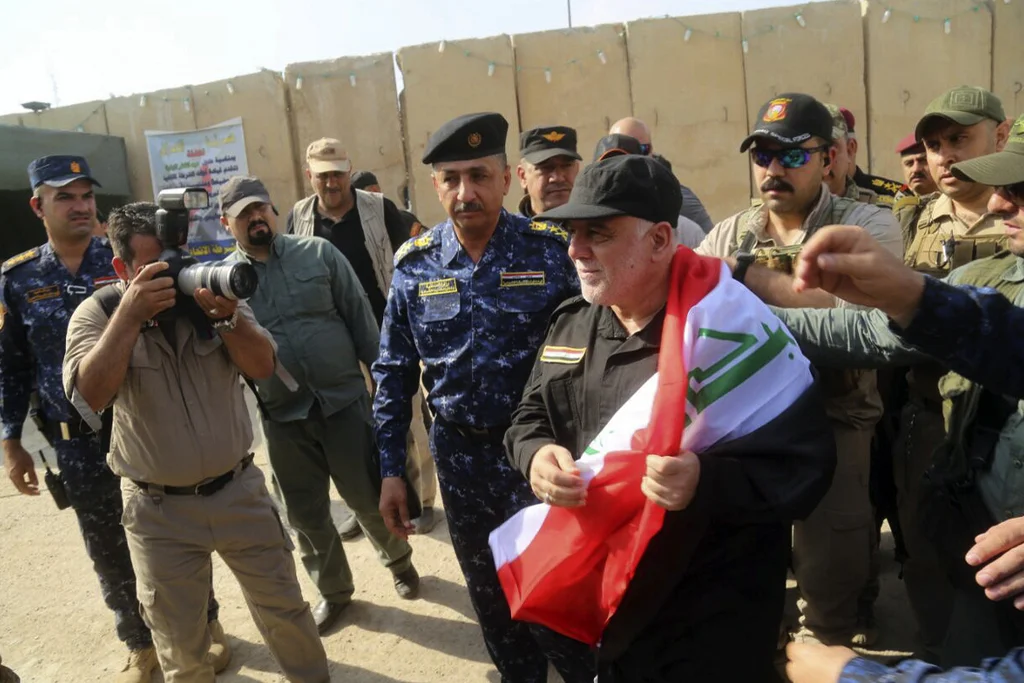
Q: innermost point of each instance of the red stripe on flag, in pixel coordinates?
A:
(575, 571)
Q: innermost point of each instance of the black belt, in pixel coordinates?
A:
(206, 488)
(471, 433)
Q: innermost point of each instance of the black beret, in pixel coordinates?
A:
(472, 136)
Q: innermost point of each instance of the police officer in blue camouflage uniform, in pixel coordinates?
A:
(40, 290)
(470, 299)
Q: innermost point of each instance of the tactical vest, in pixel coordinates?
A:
(851, 395)
(943, 252)
(783, 258)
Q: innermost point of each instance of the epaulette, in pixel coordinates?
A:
(418, 243)
(569, 305)
(910, 202)
(23, 257)
(552, 230)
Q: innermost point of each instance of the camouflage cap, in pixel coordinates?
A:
(840, 128)
(964, 104)
(1001, 168)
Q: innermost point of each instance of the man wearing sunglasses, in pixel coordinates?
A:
(973, 332)
(792, 151)
(692, 208)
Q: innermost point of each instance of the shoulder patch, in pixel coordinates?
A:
(23, 257)
(904, 202)
(417, 243)
(550, 229)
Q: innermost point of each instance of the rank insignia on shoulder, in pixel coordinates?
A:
(565, 355)
(435, 287)
(42, 293)
(533, 278)
(550, 229)
(23, 257)
(416, 243)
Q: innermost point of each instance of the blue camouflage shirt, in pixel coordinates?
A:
(975, 332)
(1009, 669)
(476, 327)
(38, 297)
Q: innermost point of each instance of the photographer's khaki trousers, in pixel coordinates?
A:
(171, 539)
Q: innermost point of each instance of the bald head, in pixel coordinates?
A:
(634, 128)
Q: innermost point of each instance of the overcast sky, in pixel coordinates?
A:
(65, 51)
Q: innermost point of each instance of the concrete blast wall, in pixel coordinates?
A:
(698, 82)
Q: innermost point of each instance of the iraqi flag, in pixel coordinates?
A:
(727, 367)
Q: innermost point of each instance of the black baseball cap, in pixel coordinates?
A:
(239, 192)
(363, 179)
(789, 119)
(617, 145)
(537, 145)
(622, 185)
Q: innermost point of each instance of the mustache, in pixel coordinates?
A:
(776, 184)
(256, 224)
(918, 176)
(468, 206)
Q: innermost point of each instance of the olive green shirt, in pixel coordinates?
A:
(840, 337)
(310, 300)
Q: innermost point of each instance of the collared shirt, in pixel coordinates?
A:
(39, 296)
(310, 300)
(1009, 669)
(475, 326)
(725, 238)
(926, 251)
(179, 415)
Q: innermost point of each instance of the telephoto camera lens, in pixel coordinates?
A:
(229, 280)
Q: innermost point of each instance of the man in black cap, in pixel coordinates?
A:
(686, 231)
(692, 207)
(714, 575)
(547, 168)
(792, 150)
(470, 300)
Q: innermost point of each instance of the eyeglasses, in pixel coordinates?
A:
(1015, 193)
(791, 157)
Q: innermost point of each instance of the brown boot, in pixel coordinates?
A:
(220, 650)
(140, 667)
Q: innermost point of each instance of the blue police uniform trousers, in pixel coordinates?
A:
(480, 491)
(95, 495)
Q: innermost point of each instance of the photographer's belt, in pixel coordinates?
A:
(204, 488)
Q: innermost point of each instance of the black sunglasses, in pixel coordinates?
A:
(790, 157)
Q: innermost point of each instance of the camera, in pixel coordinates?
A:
(230, 280)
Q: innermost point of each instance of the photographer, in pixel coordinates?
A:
(181, 432)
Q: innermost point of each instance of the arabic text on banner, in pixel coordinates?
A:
(200, 158)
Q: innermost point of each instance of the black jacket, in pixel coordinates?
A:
(714, 576)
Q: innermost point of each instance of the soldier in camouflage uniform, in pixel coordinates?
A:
(941, 232)
(985, 623)
(470, 299)
(792, 152)
(41, 288)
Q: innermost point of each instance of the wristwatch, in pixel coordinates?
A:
(743, 261)
(226, 324)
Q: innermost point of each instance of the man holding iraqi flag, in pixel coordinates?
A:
(669, 480)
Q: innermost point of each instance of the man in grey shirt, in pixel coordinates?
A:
(310, 300)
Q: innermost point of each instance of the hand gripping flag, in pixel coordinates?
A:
(568, 569)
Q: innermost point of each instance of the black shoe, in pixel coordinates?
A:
(350, 529)
(326, 613)
(407, 584)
